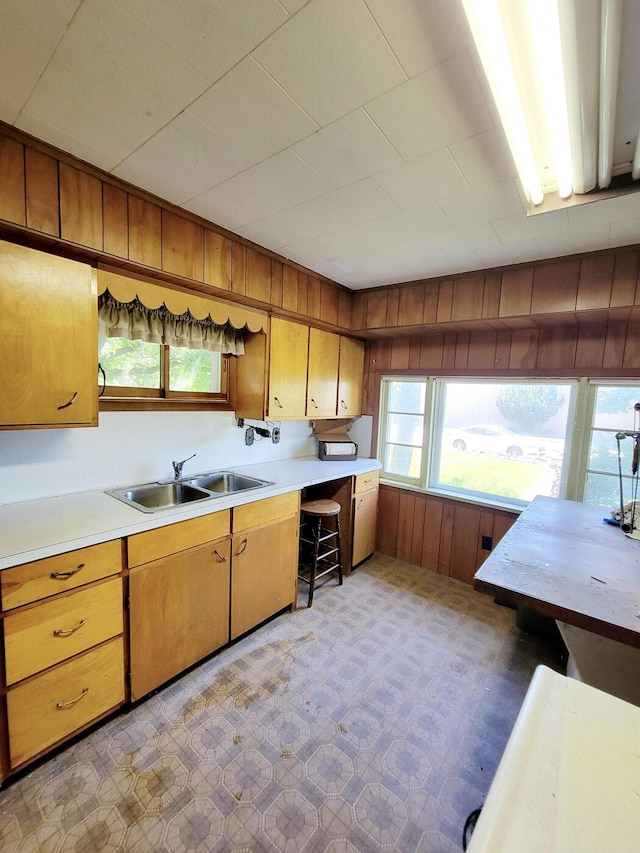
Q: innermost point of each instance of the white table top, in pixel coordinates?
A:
(32, 530)
(569, 779)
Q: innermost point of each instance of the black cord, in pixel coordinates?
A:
(469, 826)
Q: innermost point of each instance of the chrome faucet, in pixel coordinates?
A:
(177, 467)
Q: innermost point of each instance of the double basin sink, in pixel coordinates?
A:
(152, 497)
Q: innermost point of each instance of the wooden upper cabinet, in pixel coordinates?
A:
(350, 375)
(80, 207)
(48, 340)
(258, 278)
(217, 260)
(115, 221)
(322, 384)
(12, 186)
(287, 369)
(43, 202)
(145, 232)
(182, 246)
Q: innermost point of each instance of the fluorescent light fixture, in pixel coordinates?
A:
(609, 65)
(488, 33)
(553, 67)
(545, 29)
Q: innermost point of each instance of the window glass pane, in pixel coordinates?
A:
(613, 412)
(403, 461)
(406, 397)
(404, 428)
(195, 370)
(130, 364)
(502, 439)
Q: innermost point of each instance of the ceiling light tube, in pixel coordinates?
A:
(488, 33)
(545, 27)
(579, 22)
(609, 63)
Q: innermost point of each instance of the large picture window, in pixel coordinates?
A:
(496, 441)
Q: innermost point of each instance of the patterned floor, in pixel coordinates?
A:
(374, 721)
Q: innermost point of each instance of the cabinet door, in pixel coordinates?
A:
(350, 378)
(322, 384)
(364, 525)
(179, 613)
(48, 340)
(288, 369)
(264, 573)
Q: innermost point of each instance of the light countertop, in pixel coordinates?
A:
(32, 530)
(569, 778)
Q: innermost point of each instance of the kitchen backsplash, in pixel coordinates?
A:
(134, 447)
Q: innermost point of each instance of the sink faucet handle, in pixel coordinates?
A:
(178, 466)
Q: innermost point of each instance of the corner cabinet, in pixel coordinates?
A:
(178, 597)
(264, 569)
(48, 340)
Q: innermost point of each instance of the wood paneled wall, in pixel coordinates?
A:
(440, 535)
(445, 535)
(594, 286)
(45, 193)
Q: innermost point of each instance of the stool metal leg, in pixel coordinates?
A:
(339, 550)
(314, 560)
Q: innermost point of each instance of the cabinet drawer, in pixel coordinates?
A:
(264, 512)
(367, 481)
(33, 581)
(60, 628)
(51, 706)
(155, 544)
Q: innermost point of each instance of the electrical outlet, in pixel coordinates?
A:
(275, 435)
(487, 543)
(249, 436)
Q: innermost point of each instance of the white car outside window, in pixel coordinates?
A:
(488, 438)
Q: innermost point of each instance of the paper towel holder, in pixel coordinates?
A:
(335, 444)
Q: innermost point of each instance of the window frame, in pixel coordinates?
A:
(128, 397)
(572, 479)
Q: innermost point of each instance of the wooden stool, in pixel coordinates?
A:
(319, 544)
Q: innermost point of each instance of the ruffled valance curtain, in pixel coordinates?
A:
(134, 321)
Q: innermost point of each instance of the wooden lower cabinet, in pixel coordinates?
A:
(264, 573)
(365, 510)
(65, 625)
(49, 707)
(178, 613)
(264, 567)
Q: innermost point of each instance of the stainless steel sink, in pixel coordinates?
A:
(225, 482)
(151, 497)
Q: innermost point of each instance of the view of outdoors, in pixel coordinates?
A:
(613, 412)
(136, 364)
(514, 448)
(502, 439)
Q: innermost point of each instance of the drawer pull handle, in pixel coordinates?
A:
(221, 559)
(64, 575)
(343, 404)
(278, 403)
(70, 403)
(67, 632)
(314, 403)
(242, 548)
(61, 705)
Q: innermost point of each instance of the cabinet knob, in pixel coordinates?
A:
(67, 632)
(70, 403)
(71, 702)
(243, 547)
(64, 575)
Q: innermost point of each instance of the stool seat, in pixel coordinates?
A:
(322, 507)
(319, 542)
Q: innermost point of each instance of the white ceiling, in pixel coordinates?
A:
(356, 137)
